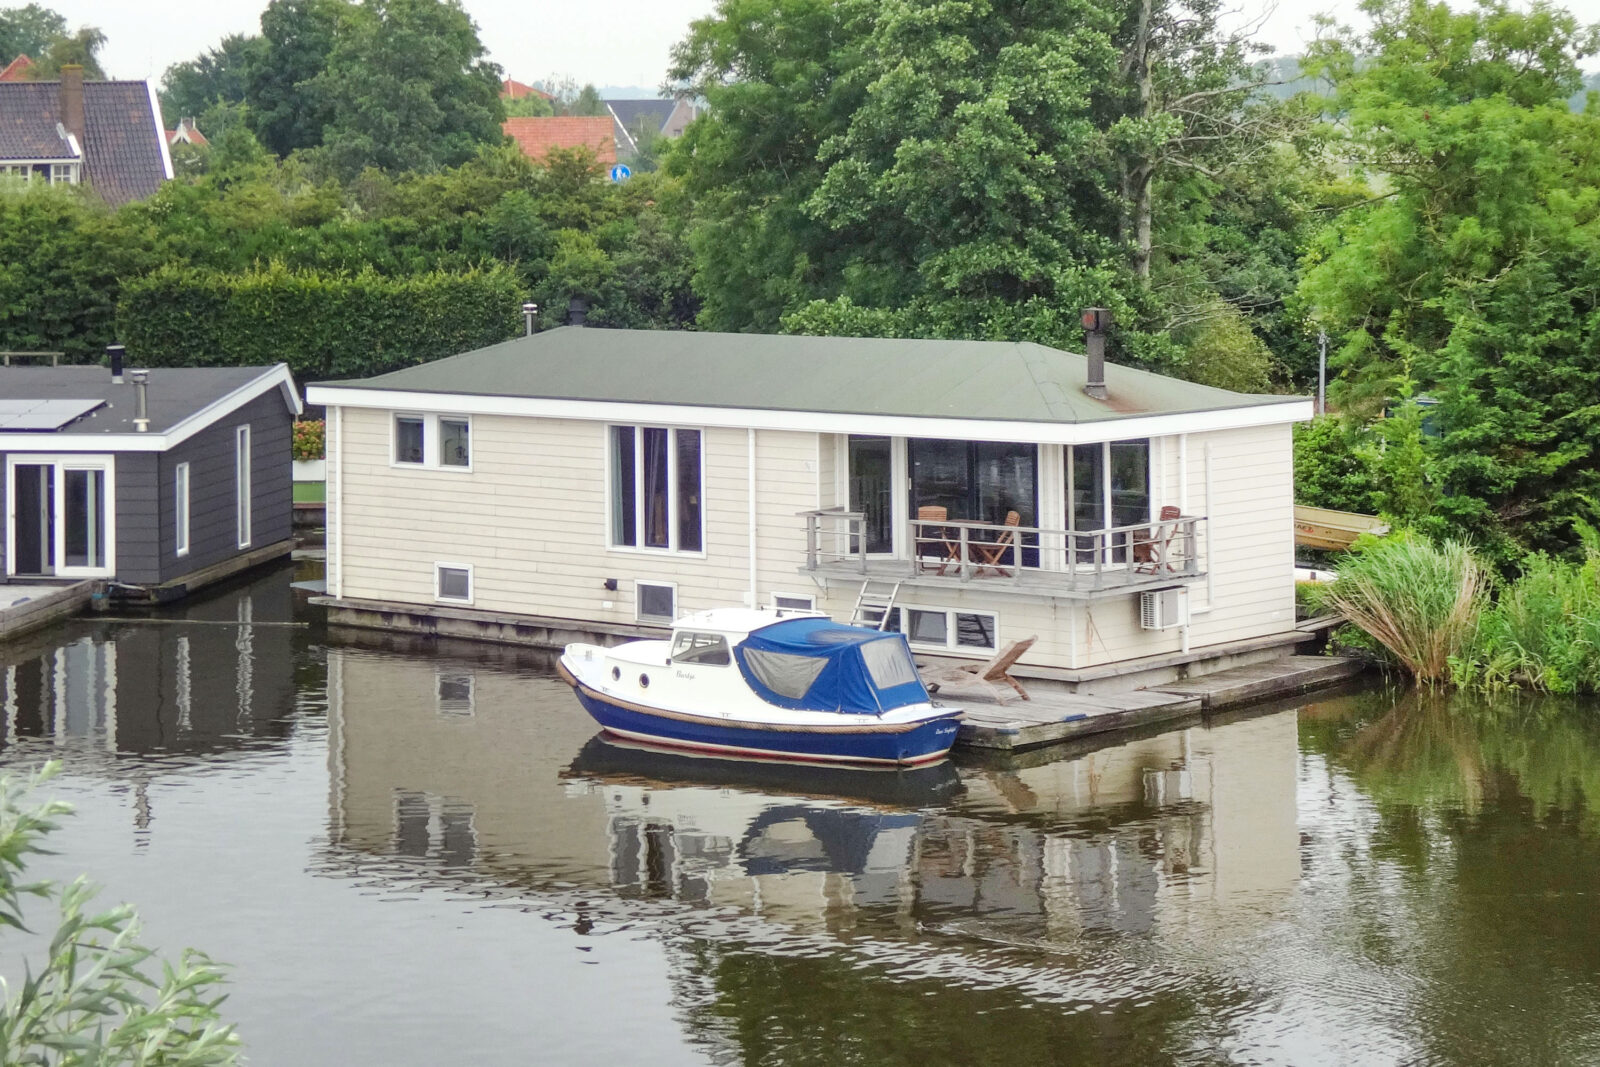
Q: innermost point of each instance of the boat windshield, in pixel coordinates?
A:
(889, 663)
(708, 649)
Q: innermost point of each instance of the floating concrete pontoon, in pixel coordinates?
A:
(24, 608)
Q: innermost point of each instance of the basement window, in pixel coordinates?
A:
(655, 601)
(452, 583)
(947, 628)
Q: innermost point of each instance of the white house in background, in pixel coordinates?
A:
(969, 493)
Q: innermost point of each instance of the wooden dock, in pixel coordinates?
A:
(28, 607)
(1054, 716)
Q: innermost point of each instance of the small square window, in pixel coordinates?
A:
(454, 583)
(786, 603)
(928, 627)
(974, 630)
(454, 443)
(407, 439)
(656, 601)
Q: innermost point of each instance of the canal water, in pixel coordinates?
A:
(417, 855)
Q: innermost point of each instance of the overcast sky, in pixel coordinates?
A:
(607, 42)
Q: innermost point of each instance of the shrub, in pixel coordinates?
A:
(1543, 631)
(1419, 599)
(310, 439)
(322, 325)
(94, 1000)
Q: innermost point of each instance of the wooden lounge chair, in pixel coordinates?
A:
(991, 554)
(1151, 551)
(935, 543)
(982, 676)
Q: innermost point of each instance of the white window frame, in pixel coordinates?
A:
(23, 171)
(638, 489)
(783, 609)
(243, 501)
(63, 174)
(952, 643)
(638, 601)
(181, 498)
(431, 438)
(107, 465)
(472, 582)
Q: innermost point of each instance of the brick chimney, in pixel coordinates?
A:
(72, 101)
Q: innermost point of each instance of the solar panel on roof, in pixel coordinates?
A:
(36, 415)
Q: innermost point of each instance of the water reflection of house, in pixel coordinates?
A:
(468, 765)
(456, 762)
(215, 678)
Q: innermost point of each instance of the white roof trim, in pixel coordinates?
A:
(277, 377)
(1066, 433)
(161, 129)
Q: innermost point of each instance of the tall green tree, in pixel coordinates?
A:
(28, 31)
(1473, 272)
(75, 49)
(218, 75)
(287, 109)
(408, 88)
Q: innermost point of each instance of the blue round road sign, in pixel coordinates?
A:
(620, 171)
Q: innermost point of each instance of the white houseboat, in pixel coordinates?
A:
(583, 482)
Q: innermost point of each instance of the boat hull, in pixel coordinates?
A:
(893, 744)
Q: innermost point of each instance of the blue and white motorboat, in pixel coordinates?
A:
(748, 682)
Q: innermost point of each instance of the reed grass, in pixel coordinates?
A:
(1543, 631)
(1420, 601)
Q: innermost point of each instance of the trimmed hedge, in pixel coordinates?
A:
(323, 325)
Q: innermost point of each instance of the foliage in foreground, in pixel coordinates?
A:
(94, 999)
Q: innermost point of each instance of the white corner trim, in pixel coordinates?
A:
(161, 129)
(1298, 409)
(277, 377)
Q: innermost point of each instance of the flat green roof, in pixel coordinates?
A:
(999, 380)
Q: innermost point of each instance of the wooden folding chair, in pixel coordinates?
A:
(1150, 552)
(938, 545)
(982, 675)
(991, 554)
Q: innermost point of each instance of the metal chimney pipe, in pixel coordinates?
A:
(530, 311)
(115, 354)
(577, 311)
(141, 414)
(1095, 323)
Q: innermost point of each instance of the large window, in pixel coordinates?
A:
(656, 499)
(1107, 479)
(180, 505)
(872, 490)
(978, 481)
(241, 483)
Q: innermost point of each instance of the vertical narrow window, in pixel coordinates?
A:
(624, 499)
(1130, 482)
(688, 460)
(241, 483)
(180, 505)
(657, 500)
(872, 490)
(408, 438)
(455, 446)
(655, 484)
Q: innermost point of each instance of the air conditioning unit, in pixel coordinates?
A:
(1163, 609)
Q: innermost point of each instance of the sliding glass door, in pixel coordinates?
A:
(1108, 485)
(58, 518)
(978, 481)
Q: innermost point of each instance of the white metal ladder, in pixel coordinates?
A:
(873, 607)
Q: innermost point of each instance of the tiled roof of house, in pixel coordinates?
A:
(187, 131)
(124, 152)
(536, 136)
(16, 70)
(515, 90)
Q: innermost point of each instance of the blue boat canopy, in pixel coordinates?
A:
(813, 664)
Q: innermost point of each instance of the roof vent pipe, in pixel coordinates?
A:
(577, 311)
(530, 311)
(141, 414)
(1095, 322)
(115, 354)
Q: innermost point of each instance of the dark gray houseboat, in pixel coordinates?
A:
(156, 481)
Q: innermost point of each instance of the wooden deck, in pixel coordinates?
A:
(26, 607)
(1055, 715)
